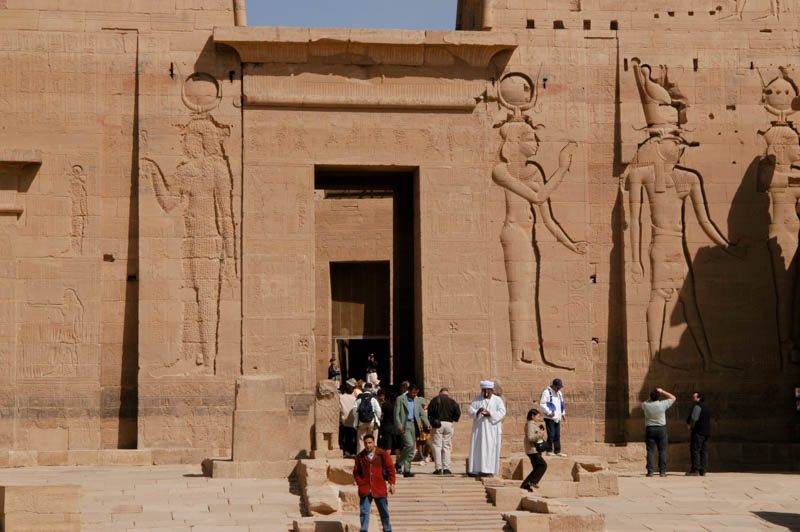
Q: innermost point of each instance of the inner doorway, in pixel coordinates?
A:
(366, 262)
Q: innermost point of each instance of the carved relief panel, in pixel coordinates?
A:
(657, 191)
(527, 196)
(779, 179)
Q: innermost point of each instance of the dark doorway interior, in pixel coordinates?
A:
(354, 352)
(402, 358)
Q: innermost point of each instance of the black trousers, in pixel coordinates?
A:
(539, 467)
(347, 439)
(656, 436)
(697, 447)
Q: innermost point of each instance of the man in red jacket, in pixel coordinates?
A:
(372, 469)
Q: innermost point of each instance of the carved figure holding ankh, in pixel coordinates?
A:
(527, 196)
(779, 176)
(203, 188)
(655, 175)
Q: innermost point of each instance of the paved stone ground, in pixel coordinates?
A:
(178, 499)
(168, 499)
(716, 502)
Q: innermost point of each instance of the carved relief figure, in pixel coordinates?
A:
(655, 176)
(50, 346)
(203, 189)
(527, 196)
(779, 176)
(80, 208)
(775, 9)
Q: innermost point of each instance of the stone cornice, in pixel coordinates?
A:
(364, 46)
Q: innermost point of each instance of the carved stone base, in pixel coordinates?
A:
(226, 468)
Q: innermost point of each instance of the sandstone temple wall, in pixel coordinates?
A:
(602, 191)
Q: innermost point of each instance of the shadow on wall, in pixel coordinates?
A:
(731, 326)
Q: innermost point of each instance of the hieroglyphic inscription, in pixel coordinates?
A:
(779, 177)
(527, 196)
(202, 188)
(656, 174)
(80, 208)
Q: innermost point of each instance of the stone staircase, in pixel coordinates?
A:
(428, 502)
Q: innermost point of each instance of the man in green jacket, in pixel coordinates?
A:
(409, 418)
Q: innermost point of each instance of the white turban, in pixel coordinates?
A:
(487, 385)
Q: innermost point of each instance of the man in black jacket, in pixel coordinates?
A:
(699, 422)
(442, 413)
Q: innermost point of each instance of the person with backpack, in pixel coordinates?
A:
(367, 415)
(552, 405)
(373, 468)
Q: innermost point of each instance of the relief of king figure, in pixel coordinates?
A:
(656, 176)
(779, 177)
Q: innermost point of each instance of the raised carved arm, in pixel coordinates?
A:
(701, 210)
(579, 247)
(635, 202)
(223, 204)
(164, 195)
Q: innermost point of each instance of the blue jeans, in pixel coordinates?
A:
(656, 436)
(383, 510)
(553, 436)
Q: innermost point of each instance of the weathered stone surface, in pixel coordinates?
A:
(543, 506)
(260, 435)
(505, 498)
(340, 471)
(312, 473)
(527, 522)
(350, 498)
(597, 484)
(323, 499)
(169, 216)
(40, 508)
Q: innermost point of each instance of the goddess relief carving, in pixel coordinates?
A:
(655, 176)
(527, 196)
(202, 187)
(779, 177)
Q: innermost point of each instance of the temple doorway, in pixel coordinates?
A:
(366, 270)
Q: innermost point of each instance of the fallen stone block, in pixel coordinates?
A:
(312, 472)
(493, 482)
(543, 506)
(527, 522)
(341, 471)
(311, 524)
(557, 489)
(533, 522)
(571, 523)
(349, 497)
(323, 499)
(599, 484)
(505, 498)
(511, 467)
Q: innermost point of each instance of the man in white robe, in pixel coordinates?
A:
(487, 412)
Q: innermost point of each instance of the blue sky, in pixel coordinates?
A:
(395, 14)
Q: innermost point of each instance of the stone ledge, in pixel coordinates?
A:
(227, 468)
(20, 156)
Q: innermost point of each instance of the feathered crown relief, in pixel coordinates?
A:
(663, 103)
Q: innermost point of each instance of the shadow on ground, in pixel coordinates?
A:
(790, 521)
